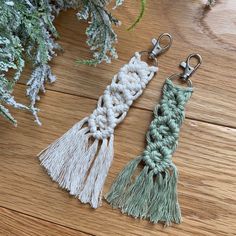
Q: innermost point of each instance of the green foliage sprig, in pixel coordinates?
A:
(143, 5)
(27, 34)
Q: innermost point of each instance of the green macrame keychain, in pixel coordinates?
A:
(151, 193)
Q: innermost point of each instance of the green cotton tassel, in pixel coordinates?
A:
(165, 206)
(152, 193)
(121, 183)
(138, 194)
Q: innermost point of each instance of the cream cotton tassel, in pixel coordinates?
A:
(79, 161)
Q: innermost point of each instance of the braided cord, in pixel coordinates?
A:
(162, 136)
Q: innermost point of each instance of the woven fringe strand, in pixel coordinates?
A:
(150, 196)
(165, 206)
(56, 154)
(121, 183)
(92, 191)
(138, 195)
(77, 165)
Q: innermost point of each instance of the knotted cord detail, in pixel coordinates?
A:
(113, 105)
(163, 134)
(80, 164)
(152, 192)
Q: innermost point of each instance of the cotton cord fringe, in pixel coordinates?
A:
(79, 161)
(151, 193)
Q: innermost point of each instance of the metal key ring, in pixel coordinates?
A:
(148, 54)
(179, 76)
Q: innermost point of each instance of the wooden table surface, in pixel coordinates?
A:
(30, 204)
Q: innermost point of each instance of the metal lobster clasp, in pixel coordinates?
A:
(157, 47)
(188, 69)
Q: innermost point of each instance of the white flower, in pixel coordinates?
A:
(9, 3)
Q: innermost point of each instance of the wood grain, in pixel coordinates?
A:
(32, 205)
(15, 223)
(205, 159)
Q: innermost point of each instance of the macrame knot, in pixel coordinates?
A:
(157, 158)
(79, 161)
(113, 105)
(163, 132)
(150, 192)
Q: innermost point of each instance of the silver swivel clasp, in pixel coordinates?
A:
(159, 47)
(188, 69)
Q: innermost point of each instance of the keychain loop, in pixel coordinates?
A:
(179, 76)
(148, 54)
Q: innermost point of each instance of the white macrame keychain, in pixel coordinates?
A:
(79, 161)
